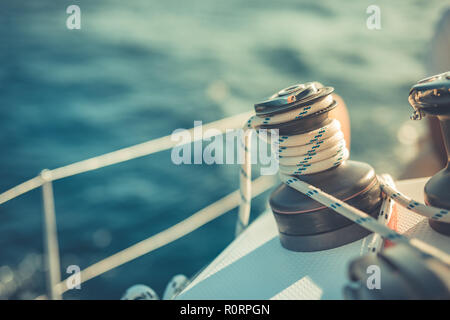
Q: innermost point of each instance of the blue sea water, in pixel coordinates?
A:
(139, 69)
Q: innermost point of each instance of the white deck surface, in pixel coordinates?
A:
(256, 266)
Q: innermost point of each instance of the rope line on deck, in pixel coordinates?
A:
(297, 159)
(413, 205)
(384, 217)
(361, 218)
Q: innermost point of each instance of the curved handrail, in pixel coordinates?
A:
(167, 236)
(121, 155)
(46, 177)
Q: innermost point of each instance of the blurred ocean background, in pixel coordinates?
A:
(139, 69)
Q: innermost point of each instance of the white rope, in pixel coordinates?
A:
(310, 153)
(384, 217)
(245, 185)
(360, 217)
(413, 205)
(306, 153)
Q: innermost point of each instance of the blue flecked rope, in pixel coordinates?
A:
(415, 206)
(384, 217)
(361, 217)
(354, 214)
(306, 153)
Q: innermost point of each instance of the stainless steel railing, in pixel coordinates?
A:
(56, 287)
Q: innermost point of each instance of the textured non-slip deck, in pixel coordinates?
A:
(256, 266)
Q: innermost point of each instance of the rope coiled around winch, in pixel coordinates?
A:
(313, 152)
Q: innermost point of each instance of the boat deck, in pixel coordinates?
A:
(256, 266)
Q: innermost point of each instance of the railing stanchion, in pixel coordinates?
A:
(50, 237)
